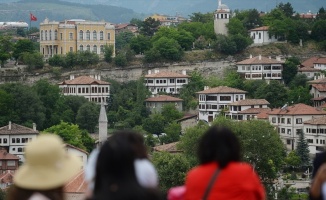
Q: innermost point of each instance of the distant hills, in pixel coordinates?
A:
(118, 11)
(59, 10)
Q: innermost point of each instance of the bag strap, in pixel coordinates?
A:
(211, 183)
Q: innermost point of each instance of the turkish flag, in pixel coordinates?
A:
(32, 17)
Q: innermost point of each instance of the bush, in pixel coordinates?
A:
(152, 55)
(108, 53)
(33, 60)
(57, 60)
(120, 60)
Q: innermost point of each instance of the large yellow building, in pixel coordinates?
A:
(75, 35)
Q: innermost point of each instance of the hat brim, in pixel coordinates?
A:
(49, 177)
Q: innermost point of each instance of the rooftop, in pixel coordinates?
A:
(163, 98)
(320, 61)
(249, 102)
(166, 75)
(171, 147)
(297, 109)
(76, 184)
(13, 128)
(309, 62)
(4, 155)
(222, 90)
(320, 87)
(259, 60)
(262, 28)
(255, 110)
(84, 80)
(317, 121)
(308, 69)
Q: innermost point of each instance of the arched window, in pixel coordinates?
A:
(81, 48)
(102, 49)
(50, 34)
(81, 33)
(95, 49)
(101, 35)
(88, 35)
(88, 47)
(46, 35)
(42, 35)
(94, 35)
(55, 35)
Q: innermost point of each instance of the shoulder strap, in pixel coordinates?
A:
(211, 183)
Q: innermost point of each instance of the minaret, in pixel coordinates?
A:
(102, 125)
(221, 18)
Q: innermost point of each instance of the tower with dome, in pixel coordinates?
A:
(221, 18)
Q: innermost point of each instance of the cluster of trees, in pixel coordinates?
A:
(44, 105)
(24, 51)
(74, 59)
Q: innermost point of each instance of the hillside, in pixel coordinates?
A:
(58, 10)
(186, 7)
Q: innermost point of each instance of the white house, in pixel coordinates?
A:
(261, 68)
(80, 153)
(320, 63)
(237, 107)
(315, 133)
(215, 100)
(169, 82)
(310, 72)
(289, 120)
(92, 88)
(261, 36)
(14, 138)
(255, 113)
(155, 104)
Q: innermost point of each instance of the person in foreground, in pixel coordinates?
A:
(46, 170)
(219, 154)
(115, 176)
(318, 185)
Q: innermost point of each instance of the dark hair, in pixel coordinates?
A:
(15, 193)
(115, 173)
(219, 144)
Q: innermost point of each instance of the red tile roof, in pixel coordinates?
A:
(320, 61)
(309, 62)
(318, 98)
(222, 90)
(84, 80)
(16, 129)
(318, 81)
(308, 69)
(255, 110)
(297, 109)
(166, 75)
(262, 60)
(323, 106)
(79, 149)
(77, 184)
(171, 147)
(119, 26)
(249, 102)
(263, 114)
(187, 116)
(262, 28)
(4, 155)
(7, 177)
(163, 98)
(320, 87)
(316, 121)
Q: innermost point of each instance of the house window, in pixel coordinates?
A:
(60, 36)
(109, 36)
(71, 36)
(41, 35)
(299, 120)
(95, 49)
(282, 120)
(172, 80)
(225, 98)
(288, 142)
(18, 140)
(310, 141)
(211, 98)
(81, 35)
(56, 35)
(289, 121)
(50, 34)
(70, 49)
(289, 132)
(101, 35)
(11, 163)
(94, 35)
(88, 35)
(46, 35)
(88, 47)
(20, 149)
(102, 49)
(259, 35)
(81, 48)
(282, 130)
(5, 140)
(273, 119)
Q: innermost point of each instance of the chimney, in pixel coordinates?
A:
(278, 58)
(184, 72)
(270, 57)
(149, 71)
(206, 87)
(99, 77)
(72, 77)
(259, 57)
(156, 71)
(250, 56)
(9, 126)
(34, 127)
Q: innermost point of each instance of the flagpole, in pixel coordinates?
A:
(30, 21)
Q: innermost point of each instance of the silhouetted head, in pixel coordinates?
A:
(219, 144)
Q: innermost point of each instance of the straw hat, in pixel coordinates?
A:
(47, 164)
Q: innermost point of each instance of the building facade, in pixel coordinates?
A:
(80, 153)
(155, 104)
(261, 36)
(75, 35)
(315, 133)
(169, 82)
(289, 121)
(261, 68)
(14, 138)
(221, 18)
(213, 101)
(93, 89)
(235, 108)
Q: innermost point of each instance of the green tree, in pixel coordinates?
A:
(171, 169)
(168, 48)
(250, 18)
(22, 46)
(152, 55)
(123, 39)
(183, 37)
(120, 60)
(170, 113)
(300, 94)
(318, 31)
(136, 22)
(57, 60)
(154, 124)
(149, 27)
(70, 60)
(274, 92)
(70, 133)
(321, 14)
(33, 60)
(293, 159)
(201, 17)
(235, 27)
(172, 132)
(108, 53)
(251, 87)
(6, 47)
(6, 105)
(140, 44)
(289, 71)
(303, 150)
(87, 116)
(286, 8)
